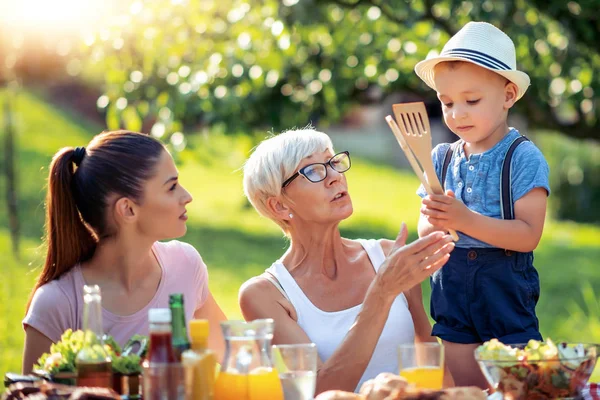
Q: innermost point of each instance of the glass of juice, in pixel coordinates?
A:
(422, 364)
(297, 368)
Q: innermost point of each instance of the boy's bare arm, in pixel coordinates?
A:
(521, 234)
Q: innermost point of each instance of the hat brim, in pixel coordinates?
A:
(425, 71)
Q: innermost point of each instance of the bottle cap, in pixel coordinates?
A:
(91, 293)
(158, 315)
(199, 329)
(91, 289)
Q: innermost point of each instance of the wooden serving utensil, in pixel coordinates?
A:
(415, 133)
(408, 152)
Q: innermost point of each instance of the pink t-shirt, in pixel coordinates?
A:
(58, 305)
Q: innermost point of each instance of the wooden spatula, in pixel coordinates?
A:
(408, 153)
(413, 122)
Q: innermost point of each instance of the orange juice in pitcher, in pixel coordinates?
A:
(246, 371)
(231, 386)
(264, 383)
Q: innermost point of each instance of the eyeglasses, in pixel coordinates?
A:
(318, 171)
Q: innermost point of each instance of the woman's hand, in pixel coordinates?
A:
(408, 265)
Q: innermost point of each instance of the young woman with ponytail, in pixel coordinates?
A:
(107, 207)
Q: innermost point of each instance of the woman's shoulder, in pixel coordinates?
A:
(184, 270)
(386, 245)
(370, 245)
(174, 247)
(362, 243)
(65, 288)
(55, 294)
(255, 286)
(53, 307)
(258, 297)
(175, 252)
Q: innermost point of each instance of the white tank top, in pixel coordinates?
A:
(328, 329)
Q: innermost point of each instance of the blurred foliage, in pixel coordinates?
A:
(584, 319)
(574, 177)
(175, 64)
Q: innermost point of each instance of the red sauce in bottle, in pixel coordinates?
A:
(160, 349)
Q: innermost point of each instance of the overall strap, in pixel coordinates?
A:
(447, 159)
(506, 203)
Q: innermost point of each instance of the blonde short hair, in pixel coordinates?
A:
(274, 160)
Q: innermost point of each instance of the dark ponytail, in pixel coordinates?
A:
(79, 183)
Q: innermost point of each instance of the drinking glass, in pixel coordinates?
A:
(297, 368)
(422, 364)
(163, 381)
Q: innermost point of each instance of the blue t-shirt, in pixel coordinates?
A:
(476, 181)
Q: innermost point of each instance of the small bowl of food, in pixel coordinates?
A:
(537, 370)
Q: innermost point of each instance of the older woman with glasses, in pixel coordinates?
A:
(356, 299)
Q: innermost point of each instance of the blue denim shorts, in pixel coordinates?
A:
(486, 293)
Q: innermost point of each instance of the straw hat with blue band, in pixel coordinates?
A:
(484, 45)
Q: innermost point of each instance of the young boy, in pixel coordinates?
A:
(489, 287)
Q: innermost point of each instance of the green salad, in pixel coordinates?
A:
(61, 357)
(539, 370)
(533, 351)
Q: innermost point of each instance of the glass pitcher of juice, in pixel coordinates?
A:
(246, 372)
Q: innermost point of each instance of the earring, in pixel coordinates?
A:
(291, 215)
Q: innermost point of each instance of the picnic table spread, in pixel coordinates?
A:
(590, 392)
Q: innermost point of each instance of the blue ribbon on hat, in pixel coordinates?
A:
(478, 57)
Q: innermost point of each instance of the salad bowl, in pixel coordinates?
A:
(537, 370)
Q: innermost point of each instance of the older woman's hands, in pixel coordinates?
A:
(408, 265)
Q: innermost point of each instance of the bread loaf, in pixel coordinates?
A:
(388, 386)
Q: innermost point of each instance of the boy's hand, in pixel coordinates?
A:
(445, 211)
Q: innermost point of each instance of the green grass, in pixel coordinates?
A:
(237, 244)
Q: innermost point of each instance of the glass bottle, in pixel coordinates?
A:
(163, 374)
(199, 363)
(93, 363)
(180, 339)
(160, 350)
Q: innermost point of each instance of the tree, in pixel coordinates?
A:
(273, 64)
